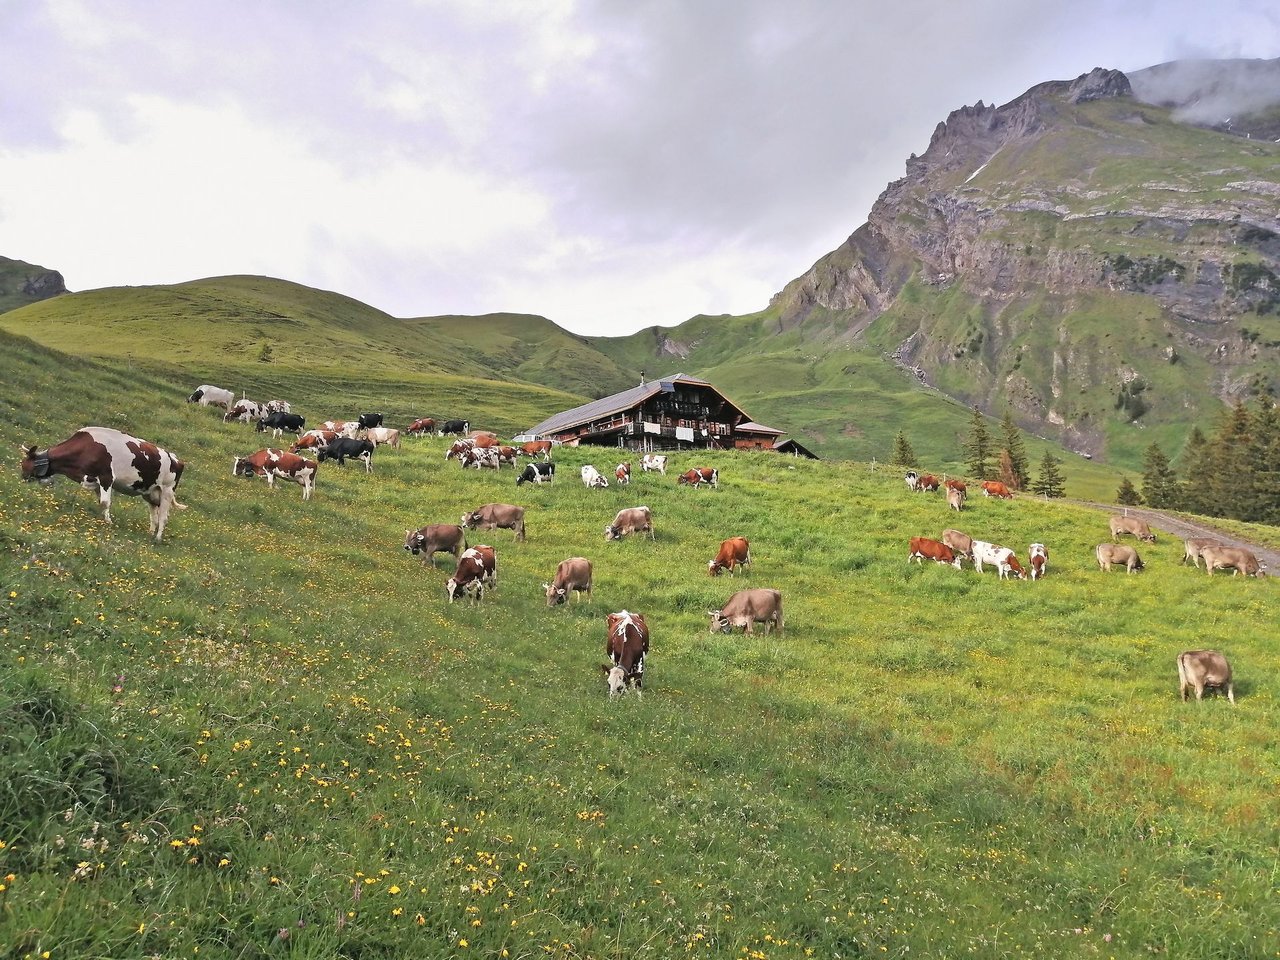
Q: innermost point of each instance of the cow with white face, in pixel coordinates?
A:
(1038, 560)
(653, 463)
(592, 478)
(626, 645)
(573, 575)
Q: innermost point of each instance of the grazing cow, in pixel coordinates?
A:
(923, 548)
(421, 427)
(929, 483)
(1131, 525)
(954, 484)
(341, 427)
(537, 473)
(630, 520)
(1037, 560)
(653, 462)
(314, 440)
(106, 460)
(453, 428)
(572, 574)
(736, 551)
(747, 608)
(211, 396)
(1109, 553)
(1002, 558)
(277, 406)
(477, 569)
(344, 447)
(1237, 558)
(537, 448)
(955, 499)
(1191, 549)
(622, 473)
(913, 481)
(368, 421)
(591, 477)
(458, 448)
(506, 455)
(483, 438)
(481, 458)
(698, 476)
(244, 411)
(994, 488)
(960, 542)
(279, 421)
(493, 516)
(270, 464)
(1199, 669)
(436, 538)
(626, 643)
(385, 435)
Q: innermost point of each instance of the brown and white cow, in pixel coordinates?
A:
(955, 484)
(622, 473)
(496, 516)
(313, 440)
(654, 463)
(245, 410)
(1133, 526)
(421, 427)
(922, 548)
(1238, 559)
(1109, 553)
(630, 520)
(572, 574)
(384, 435)
(458, 448)
(436, 538)
(928, 483)
(270, 464)
(994, 488)
(483, 438)
(960, 542)
(506, 455)
(208, 395)
(747, 608)
(1002, 558)
(700, 476)
(1037, 560)
(955, 499)
(1191, 549)
(106, 460)
(485, 458)
(626, 644)
(477, 570)
(735, 551)
(1198, 669)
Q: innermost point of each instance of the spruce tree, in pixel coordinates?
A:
(1128, 494)
(978, 448)
(1159, 482)
(1050, 483)
(1011, 440)
(1198, 473)
(1233, 477)
(1264, 496)
(903, 455)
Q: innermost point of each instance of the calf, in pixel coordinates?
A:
(270, 464)
(1237, 559)
(453, 428)
(279, 421)
(735, 551)
(537, 473)
(1192, 548)
(747, 608)
(591, 477)
(961, 543)
(630, 520)
(654, 462)
(436, 538)
(1131, 525)
(477, 569)
(955, 499)
(1002, 558)
(923, 548)
(622, 473)
(344, 447)
(1109, 553)
(421, 427)
(572, 574)
(626, 644)
(699, 476)
(208, 395)
(384, 435)
(1037, 560)
(1198, 669)
(493, 516)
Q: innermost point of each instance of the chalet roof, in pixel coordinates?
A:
(794, 446)
(613, 404)
(752, 427)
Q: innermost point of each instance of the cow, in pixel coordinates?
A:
(1192, 547)
(436, 538)
(960, 542)
(210, 396)
(493, 516)
(270, 464)
(279, 421)
(591, 477)
(994, 488)
(483, 438)
(458, 448)
(697, 476)
(1131, 525)
(506, 455)
(1237, 558)
(1198, 669)
(277, 406)
(453, 428)
(923, 548)
(477, 569)
(954, 484)
(955, 499)
(572, 574)
(1109, 553)
(912, 480)
(343, 428)
(630, 520)
(367, 421)
(314, 440)
(421, 427)
(344, 447)
(481, 458)
(1002, 558)
(653, 463)
(929, 483)
(384, 435)
(106, 460)
(747, 608)
(537, 473)
(243, 410)
(537, 448)
(1037, 560)
(736, 551)
(626, 643)
(622, 473)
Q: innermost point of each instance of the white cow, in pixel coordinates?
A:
(210, 396)
(654, 462)
(1002, 558)
(592, 477)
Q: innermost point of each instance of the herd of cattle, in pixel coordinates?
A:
(106, 460)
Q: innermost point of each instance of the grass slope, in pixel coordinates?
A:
(271, 734)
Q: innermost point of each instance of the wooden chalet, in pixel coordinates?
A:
(677, 412)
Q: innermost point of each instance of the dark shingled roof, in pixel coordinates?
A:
(613, 404)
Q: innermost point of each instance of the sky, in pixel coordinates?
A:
(607, 165)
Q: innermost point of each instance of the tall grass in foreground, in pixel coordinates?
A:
(272, 736)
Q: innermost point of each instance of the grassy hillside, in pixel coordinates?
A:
(23, 283)
(272, 735)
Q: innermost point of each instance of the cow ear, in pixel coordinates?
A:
(605, 668)
(28, 453)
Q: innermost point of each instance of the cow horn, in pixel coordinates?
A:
(28, 452)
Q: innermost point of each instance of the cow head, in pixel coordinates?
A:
(240, 467)
(612, 533)
(469, 520)
(719, 622)
(452, 589)
(615, 677)
(555, 595)
(35, 466)
(413, 541)
(195, 396)
(713, 568)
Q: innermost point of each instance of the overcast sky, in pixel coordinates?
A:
(609, 165)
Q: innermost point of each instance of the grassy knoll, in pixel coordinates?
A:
(272, 736)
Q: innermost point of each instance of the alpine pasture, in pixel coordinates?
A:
(272, 735)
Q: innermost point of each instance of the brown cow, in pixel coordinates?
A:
(994, 488)
(1238, 559)
(421, 427)
(746, 608)
(314, 440)
(955, 499)
(923, 547)
(1109, 553)
(572, 574)
(1199, 669)
(384, 435)
(630, 520)
(626, 644)
(960, 542)
(1191, 549)
(270, 464)
(954, 484)
(1131, 525)
(436, 538)
(1038, 560)
(698, 476)
(928, 483)
(493, 516)
(477, 569)
(622, 473)
(537, 448)
(734, 551)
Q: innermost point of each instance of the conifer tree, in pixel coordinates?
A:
(1007, 475)
(1011, 440)
(1233, 475)
(978, 448)
(1128, 494)
(1198, 473)
(903, 455)
(1050, 483)
(1264, 497)
(1159, 482)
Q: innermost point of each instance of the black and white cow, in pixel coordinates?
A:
(279, 422)
(454, 427)
(369, 420)
(537, 473)
(345, 447)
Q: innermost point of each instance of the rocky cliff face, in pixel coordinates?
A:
(22, 283)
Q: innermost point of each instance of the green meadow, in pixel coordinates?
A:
(272, 736)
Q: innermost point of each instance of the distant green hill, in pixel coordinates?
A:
(22, 283)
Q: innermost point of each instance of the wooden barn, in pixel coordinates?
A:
(677, 412)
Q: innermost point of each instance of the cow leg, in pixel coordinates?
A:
(1231, 694)
(104, 498)
(160, 516)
